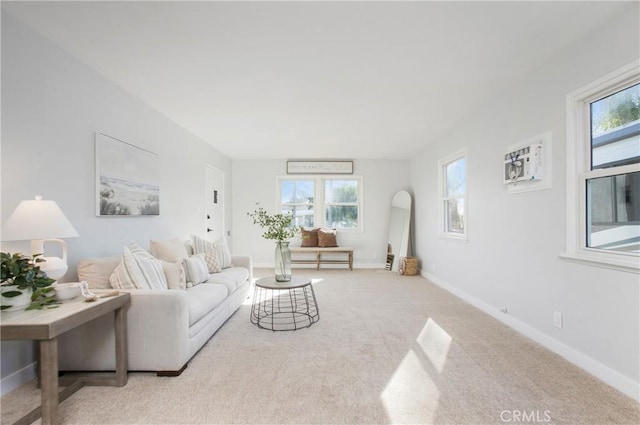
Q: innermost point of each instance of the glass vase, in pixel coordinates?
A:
(283, 262)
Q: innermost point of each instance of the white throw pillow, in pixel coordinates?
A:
(195, 269)
(138, 270)
(224, 255)
(96, 271)
(170, 251)
(174, 272)
(201, 246)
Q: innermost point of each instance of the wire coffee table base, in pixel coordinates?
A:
(284, 306)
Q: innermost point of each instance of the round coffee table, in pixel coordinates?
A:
(284, 306)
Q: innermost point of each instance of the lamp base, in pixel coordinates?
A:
(54, 267)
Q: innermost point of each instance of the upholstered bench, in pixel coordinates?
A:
(314, 255)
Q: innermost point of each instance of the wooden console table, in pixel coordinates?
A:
(45, 326)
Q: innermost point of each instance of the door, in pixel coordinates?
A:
(214, 199)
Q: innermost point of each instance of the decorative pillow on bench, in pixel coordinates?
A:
(327, 238)
(309, 237)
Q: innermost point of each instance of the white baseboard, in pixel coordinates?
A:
(18, 378)
(332, 266)
(595, 368)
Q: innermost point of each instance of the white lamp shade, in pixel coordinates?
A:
(37, 219)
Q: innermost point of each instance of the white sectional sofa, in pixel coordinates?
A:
(165, 327)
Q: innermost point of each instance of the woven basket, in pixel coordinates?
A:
(408, 266)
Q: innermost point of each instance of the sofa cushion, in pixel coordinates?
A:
(203, 299)
(231, 277)
(171, 251)
(96, 271)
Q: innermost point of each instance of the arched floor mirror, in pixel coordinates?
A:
(399, 227)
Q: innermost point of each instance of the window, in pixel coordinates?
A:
(603, 185)
(297, 197)
(334, 202)
(453, 195)
(341, 203)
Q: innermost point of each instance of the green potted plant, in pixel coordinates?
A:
(277, 227)
(21, 276)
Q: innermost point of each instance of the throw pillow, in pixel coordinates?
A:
(224, 255)
(96, 271)
(195, 269)
(171, 251)
(327, 238)
(138, 270)
(309, 237)
(174, 272)
(201, 246)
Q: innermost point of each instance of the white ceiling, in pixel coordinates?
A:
(315, 79)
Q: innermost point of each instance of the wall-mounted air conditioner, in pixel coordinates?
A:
(524, 163)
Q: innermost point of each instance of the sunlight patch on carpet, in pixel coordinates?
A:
(435, 343)
(410, 395)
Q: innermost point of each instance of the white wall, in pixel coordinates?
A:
(512, 256)
(52, 105)
(254, 181)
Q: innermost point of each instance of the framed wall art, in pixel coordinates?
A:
(127, 179)
(319, 167)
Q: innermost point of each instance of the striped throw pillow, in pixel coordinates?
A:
(201, 246)
(224, 255)
(138, 270)
(195, 269)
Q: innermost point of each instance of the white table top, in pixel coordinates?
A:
(271, 283)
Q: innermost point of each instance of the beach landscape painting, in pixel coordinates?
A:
(127, 179)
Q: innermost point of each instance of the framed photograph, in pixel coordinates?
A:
(127, 179)
(319, 167)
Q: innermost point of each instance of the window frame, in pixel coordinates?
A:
(442, 198)
(319, 204)
(579, 172)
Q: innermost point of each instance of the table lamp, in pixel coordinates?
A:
(41, 221)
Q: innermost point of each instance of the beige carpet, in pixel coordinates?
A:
(387, 349)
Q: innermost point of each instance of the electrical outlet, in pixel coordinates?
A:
(375, 255)
(557, 319)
